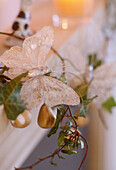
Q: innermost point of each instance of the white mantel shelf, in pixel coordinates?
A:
(17, 144)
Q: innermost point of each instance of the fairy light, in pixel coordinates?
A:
(65, 24)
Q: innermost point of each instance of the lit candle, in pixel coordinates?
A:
(78, 8)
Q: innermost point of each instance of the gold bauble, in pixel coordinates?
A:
(46, 117)
(22, 120)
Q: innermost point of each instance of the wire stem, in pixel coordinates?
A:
(85, 151)
(12, 34)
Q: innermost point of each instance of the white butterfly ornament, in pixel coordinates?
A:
(31, 57)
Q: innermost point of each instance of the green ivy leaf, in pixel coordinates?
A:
(85, 106)
(65, 127)
(9, 96)
(69, 152)
(60, 141)
(60, 157)
(109, 104)
(60, 113)
(63, 79)
(82, 89)
(94, 61)
(52, 163)
(48, 74)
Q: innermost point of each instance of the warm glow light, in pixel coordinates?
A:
(64, 24)
(74, 7)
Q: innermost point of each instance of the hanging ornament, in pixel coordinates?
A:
(22, 120)
(46, 117)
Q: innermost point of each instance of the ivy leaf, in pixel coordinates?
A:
(109, 104)
(61, 138)
(94, 61)
(69, 152)
(60, 157)
(82, 89)
(65, 127)
(52, 163)
(85, 106)
(63, 79)
(9, 96)
(60, 113)
(48, 74)
(97, 64)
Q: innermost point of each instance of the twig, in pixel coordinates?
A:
(5, 77)
(71, 115)
(42, 159)
(85, 152)
(12, 34)
(5, 33)
(64, 59)
(50, 156)
(79, 134)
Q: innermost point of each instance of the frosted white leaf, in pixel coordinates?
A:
(73, 54)
(26, 3)
(74, 64)
(91, 38)
(31, 55)
(104, 83)
(50, 90)
(111, 49)
(3, 119)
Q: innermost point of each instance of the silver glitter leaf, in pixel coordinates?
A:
(104, 83)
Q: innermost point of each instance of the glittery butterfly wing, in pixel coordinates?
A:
(104, 83)
(31, 93)
(55, 92)
(31, 55)
(36, 48)
(49, 90)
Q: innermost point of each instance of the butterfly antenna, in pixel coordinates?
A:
(66, 67)
(74, 74)
(64, 59)
(5, 33)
